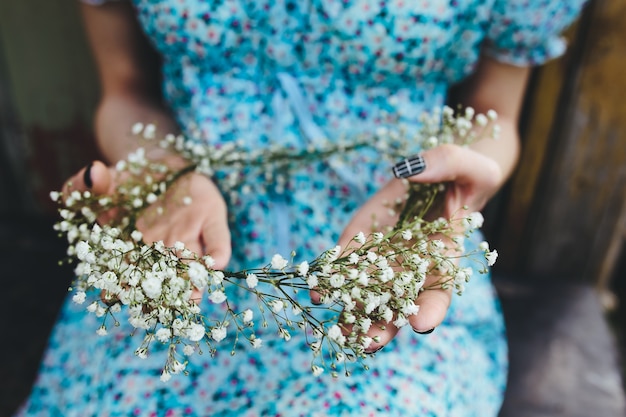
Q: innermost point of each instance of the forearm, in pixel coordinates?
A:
(504, 149)
(498, 87)
(116, 115)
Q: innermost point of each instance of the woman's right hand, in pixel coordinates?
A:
(201, 224)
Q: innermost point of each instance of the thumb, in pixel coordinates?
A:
(95, 177)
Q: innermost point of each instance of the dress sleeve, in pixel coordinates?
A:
(528, 32)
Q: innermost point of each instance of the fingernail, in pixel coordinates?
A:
(409, 167)
(378, 349)
(426, 332)
(87, 176)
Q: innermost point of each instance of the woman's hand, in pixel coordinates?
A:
(201, 224)
(471, 179)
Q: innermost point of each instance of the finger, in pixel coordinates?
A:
(95, 177)
(216, 242)
(451, 163)
(433, 306)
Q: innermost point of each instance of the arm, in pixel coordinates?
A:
(130, 80)
(473, 175)
(129, 76)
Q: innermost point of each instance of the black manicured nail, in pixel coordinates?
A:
(87, 176)
(426, 332)
(378, 349)
(410, 166)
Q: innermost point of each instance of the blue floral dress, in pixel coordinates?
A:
(291, 72)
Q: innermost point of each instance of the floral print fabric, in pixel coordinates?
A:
(293, 72)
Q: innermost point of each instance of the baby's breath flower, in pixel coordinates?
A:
(256, 342)
(136, 235)
(165, 376)
(317, 370)
(252, 280)
(491, 257)
(218, 333)
(376, 279)
(196, 332)
(79, 297)
(278, 262)
(217, 297)
(247, 315)
(303, 268)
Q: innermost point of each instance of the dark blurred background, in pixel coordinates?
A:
(559, 225)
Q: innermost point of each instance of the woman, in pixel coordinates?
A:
(290, 73)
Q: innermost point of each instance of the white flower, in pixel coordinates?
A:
(277, 306)
(217, 277)
(208, 261)
(256, 342)
(165, 376)
(333, 254)
(407, 235)
(492, 115)
(491, 257)
(79, 297)
(217, 297)
(102, 331)
(337, 280)
(360, 238)
(163, 335)
(151, 286)
(195, 332)
(365, 324)
(137, 128)
(187, 200)
(401, 321)
(335, 334)
(284, 334)
(303, 268)
(317, 370)
(136, 235)
(247, 316)
(278, 262)
(252, 280)
(481, 120)
(82, 249)
(149, 131)
(475, 220)
(353, 258)
(198, 275)
(151, 198)
(388, 314)
(371, 256)
(484, 245)
(54, 195)
(188, 350)
(366, 341)
(218, 333)
(312, 281)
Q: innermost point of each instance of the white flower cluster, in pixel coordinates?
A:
(375, 281)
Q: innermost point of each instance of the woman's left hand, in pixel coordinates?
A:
(471, 178)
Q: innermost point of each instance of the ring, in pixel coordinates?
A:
(409, 166)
